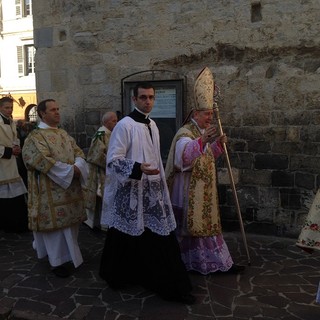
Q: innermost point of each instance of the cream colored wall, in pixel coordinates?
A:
(15, 32)
(18, 109)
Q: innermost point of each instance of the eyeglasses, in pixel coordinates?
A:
(144, 97)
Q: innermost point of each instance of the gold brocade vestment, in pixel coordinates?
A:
(50, 207)
(200, 195)
(96, 159)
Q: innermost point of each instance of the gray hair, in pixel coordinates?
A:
(106, 116)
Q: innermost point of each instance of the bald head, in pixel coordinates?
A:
(109, 120)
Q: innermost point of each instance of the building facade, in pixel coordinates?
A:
(265, 58)
(17, 66)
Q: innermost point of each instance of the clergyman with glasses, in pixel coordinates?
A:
(140, 247)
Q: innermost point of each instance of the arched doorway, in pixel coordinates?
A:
(30, 114)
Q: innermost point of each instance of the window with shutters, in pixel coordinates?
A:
(28, 7)
(20, 61)
(23, 8)
(29, 54)
(25, 59)
(18, 8)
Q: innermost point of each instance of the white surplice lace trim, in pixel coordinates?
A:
(133, 205)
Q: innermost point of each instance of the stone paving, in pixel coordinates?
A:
(280, 283)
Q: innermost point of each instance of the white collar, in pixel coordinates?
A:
(8, 118)
(43, 125)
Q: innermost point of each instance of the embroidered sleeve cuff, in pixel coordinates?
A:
(200, 144)
(217, 149)
(220, 145)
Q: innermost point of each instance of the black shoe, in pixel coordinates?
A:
(61, 272)
(236, 269)
(187, 298)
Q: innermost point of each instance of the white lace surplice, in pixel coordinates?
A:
(131, 205)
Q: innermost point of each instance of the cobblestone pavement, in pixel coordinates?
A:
(280, 283)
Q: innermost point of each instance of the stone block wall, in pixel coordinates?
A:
(265, 58)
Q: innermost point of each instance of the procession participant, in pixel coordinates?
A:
(57, 173)
(14, 215)
(140, 247)
(23, 129)
(192, 181)
(309, 238)
(96, 159)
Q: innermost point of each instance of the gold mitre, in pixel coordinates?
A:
(204, 90)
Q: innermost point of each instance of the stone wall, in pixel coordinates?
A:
(265, 58)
